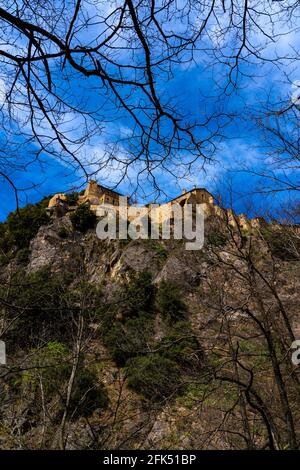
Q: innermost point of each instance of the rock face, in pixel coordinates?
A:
(54, 245)
(214, 285)
(137, 257)
(58, 246)
(178, 270)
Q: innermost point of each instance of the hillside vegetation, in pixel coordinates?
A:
(142, 344)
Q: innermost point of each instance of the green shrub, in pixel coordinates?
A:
(72, 198)
(168, 301)
(115, 341)
(23, 255)
(283, 244)
(4, 239)
(153, 376)
(46, 305)
(63, 232)
(216, 238)
(159, 249)
(182, 346)
(4, 259)
(88, 394)
(50, 365)
(22, 226)
(128, 340)
(83, 218)
(127, 325)
(137, 295)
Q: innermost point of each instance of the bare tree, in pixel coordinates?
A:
(74, 72)
(257, 333)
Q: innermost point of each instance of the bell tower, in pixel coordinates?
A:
(93, 189)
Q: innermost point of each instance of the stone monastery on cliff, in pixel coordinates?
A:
(96, 195)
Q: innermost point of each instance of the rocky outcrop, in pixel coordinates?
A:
(55, 245)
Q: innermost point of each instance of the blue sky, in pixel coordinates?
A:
(194, 87)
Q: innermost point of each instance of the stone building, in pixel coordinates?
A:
(57, 205)
(195, 195)
(96, 195)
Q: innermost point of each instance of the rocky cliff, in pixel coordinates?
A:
(142, 344)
